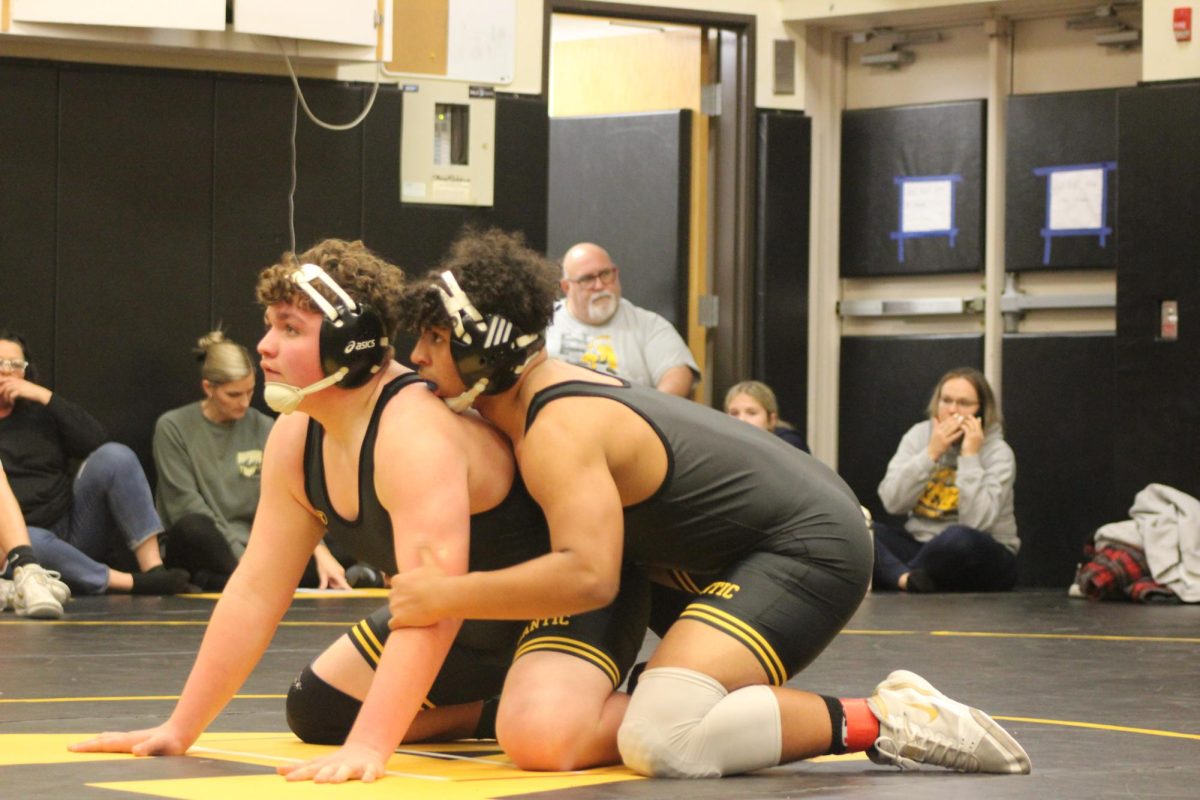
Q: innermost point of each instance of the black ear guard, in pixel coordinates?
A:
(488, 349)
(352, 334)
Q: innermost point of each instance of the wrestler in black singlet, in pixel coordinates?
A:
(769, 544)
(507, 534)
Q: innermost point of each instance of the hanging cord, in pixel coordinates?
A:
(292, 188)
(298, 102)
(304, 104)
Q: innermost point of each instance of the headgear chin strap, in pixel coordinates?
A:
(353, 344)
(488, 356)
(285, 398)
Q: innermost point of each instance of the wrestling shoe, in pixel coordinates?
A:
(920, 725)
(34, 594)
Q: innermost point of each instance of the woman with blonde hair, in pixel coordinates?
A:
(209, 460)
(754, 402)
(953, 477)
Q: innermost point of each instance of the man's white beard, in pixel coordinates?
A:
(600, 307)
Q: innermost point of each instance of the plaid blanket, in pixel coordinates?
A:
(1120, 572)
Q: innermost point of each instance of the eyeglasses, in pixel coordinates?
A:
(13, 364)
(605, 276)
(959, 403)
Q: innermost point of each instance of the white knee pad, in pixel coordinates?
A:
(683, 724)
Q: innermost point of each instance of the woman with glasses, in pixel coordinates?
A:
(73, 517)
(953, 476)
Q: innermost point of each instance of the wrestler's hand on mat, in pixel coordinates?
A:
(160, 741)
(349, 762)
(415, 595)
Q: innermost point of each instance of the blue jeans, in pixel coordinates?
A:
(959, 559)
(111, 503)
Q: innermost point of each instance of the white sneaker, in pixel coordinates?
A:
(7, 591)
(61, 592)
(34, 594)
(919, 724)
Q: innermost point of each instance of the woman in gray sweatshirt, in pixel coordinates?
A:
(953, 477)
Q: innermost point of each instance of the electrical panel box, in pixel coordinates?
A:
(447, 145)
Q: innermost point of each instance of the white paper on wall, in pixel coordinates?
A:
(1076, 199)
(927, 206)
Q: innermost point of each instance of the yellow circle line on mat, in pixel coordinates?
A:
(1092, 637)
(127, 698)
(183, 623)
(1099, 727)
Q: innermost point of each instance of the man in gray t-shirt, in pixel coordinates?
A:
(594, 327)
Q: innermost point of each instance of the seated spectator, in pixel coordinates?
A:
(754, 402)
(209, 460)
(953, 476)
(27, 588)
(595, 328)
(73, 519)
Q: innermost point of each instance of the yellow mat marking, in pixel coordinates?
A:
(1096, 726)
(152, 623)
(1087, 637)
(1092, 637)
(128, 698)
(448, 772)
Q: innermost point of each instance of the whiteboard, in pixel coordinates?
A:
(481, 40)
(342, 21)
(200, 15)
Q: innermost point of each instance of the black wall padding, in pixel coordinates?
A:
(1158, 258)
(139, 206)
(250, 212)
(28, 174)
(781, 296)
(881, 144)
(1059, 421)
(886, 383)
(1055, 130)
(134, 241)
(623, 182)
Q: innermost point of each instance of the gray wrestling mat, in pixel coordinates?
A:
(1105, 698)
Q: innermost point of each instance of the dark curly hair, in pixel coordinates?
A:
(498, 272)
(362, 274)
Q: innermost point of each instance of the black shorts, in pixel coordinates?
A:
(481, 654)
(784, 602)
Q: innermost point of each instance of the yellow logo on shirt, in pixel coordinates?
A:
(600, 355)
(940, 498)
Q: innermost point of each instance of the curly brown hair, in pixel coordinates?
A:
(362, 274)
(498, 272)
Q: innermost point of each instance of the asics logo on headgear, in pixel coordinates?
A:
(352, 346)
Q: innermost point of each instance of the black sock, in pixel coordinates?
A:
(486, 727)
(919, 582)
(21, 556)
(160, 580)
(837, 722)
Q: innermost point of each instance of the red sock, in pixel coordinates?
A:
(862, 728)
